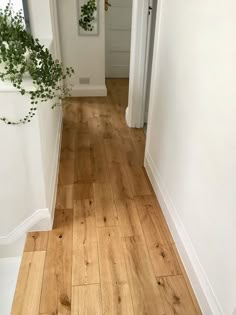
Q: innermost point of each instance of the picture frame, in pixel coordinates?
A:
(88, 17)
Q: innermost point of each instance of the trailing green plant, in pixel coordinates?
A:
(87, 15)
(22, 55)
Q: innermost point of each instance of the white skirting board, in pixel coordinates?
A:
(40, 219)
(84, 90)
(199, 281)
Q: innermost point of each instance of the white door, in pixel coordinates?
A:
(118, 38)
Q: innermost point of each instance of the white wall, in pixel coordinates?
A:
(21, 182)
(16, 3)
(86, 54)
(191, 142)
(40, 18)
(28, 160)
(28, 167)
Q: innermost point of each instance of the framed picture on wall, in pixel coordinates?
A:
(88, 17)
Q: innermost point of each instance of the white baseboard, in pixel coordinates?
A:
(89, 90)
(199, 281)
(40, 218)
(127, 117)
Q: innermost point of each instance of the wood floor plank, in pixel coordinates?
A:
(163, 260)
(64, 197)
(176, 297)
(83, 191)
(113, 151)
(95, 128)
(111, 258)
(68, 144)
(138, 182)
(145, 294)
(29, 284)
(84, 168)
(70, 113)
(128, 219)
(116, 299)
(82, 142)
(102, 191)
(84, 222)
(119, 181)
(57, 282)
(154, 226)
(85, 264)
(82, 128)
(137, 134)
(107, 128)
(87, 300)
(66, 172)
(131, 152)
(183, 271)
(106, 214)
(101, 174)
(36, 241)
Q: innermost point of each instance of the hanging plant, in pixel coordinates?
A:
(22, 55)
(87, 15)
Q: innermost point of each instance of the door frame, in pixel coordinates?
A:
(139, 31)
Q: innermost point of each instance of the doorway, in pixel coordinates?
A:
(118, 18)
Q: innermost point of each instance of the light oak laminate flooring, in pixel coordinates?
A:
(110, 251)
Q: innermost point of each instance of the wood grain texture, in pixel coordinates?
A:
(86, 300)
(176, 297)
(57, 283)
(102, 191)
(116, 299)
(28, 290)
(64, 197)
(101, 174)
(36, 241)
(68, 144)
(163, 260)
(119, 181)
(128, 219)
(83, 191)
(106, 214)
(85, 264)
(84, 167)
(84, 222)
(111, 258)
(195, 302)
(113, 151)
(153, 223)
(138, 183)
(66, 172)
(145, 294)
(83, 143)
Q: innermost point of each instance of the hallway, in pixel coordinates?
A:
(110, 251)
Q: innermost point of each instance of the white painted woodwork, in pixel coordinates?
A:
(118, 37)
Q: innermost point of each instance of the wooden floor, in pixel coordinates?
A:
(110, 251)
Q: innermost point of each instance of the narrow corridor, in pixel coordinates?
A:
(110, 251)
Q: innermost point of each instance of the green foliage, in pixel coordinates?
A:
(87, 15)
(21, 55)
